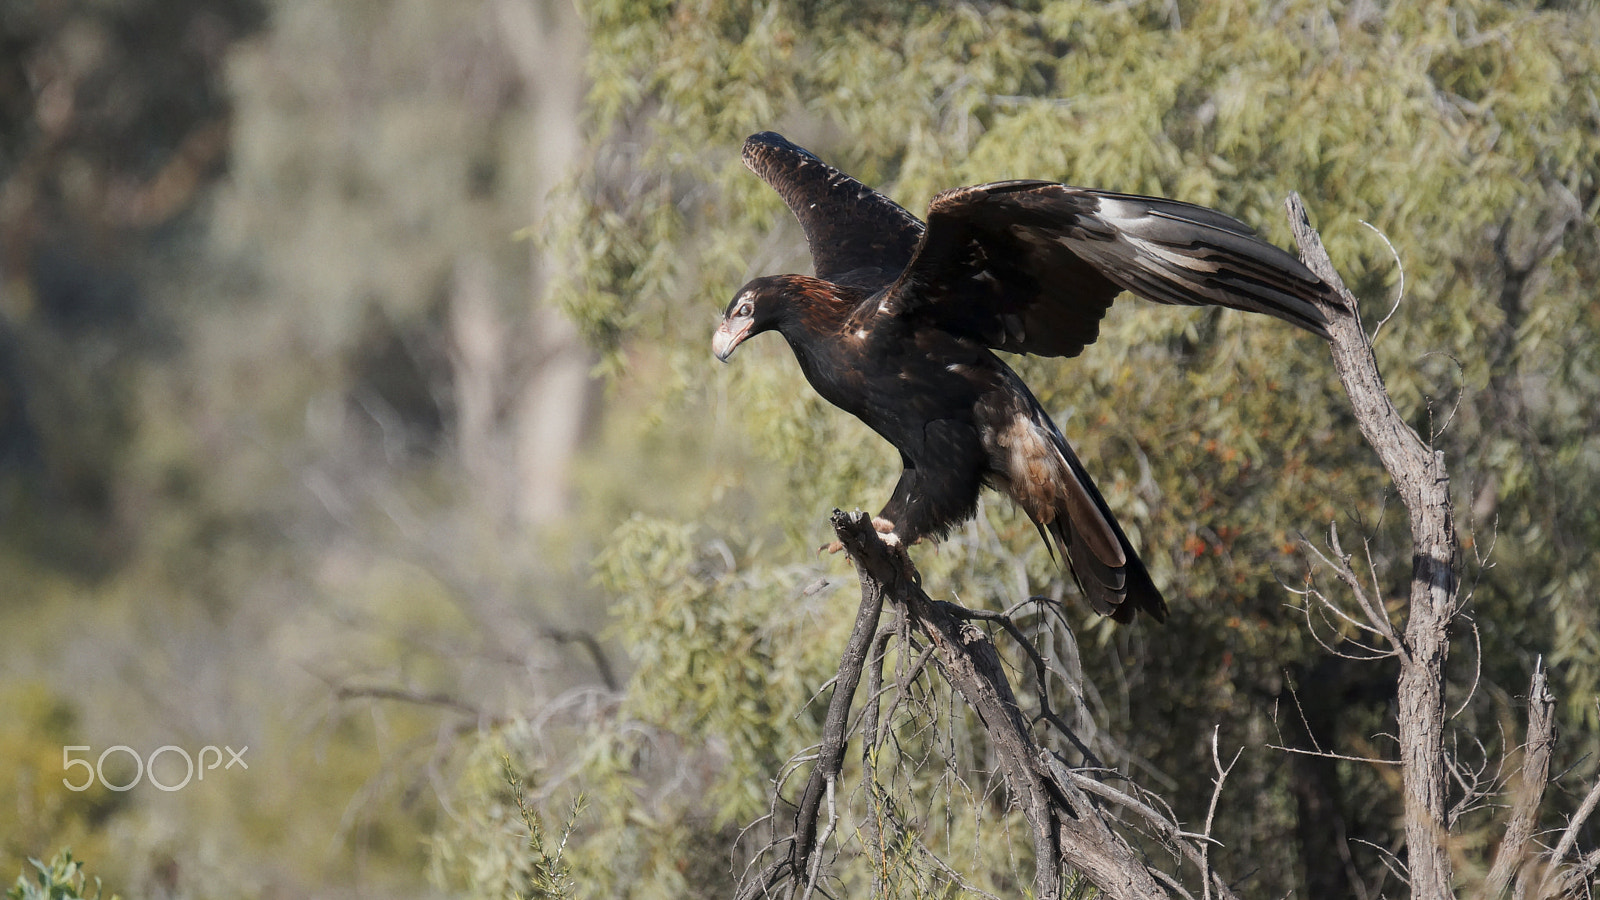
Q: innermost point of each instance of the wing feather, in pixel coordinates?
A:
(1032, 266)
(855, 233)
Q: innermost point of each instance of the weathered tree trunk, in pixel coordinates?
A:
(523, 391)
(1419, 475)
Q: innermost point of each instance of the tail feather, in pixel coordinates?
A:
(1030, 460)
(1120, 592)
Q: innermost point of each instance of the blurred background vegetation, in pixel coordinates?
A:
(356, 406)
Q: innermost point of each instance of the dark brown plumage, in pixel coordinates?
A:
(899, 325)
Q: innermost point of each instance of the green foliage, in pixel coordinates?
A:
(547, 872)
(725, 655)
(490, 858)
(727, 651)
(63, 878)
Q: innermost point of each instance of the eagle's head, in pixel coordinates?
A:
(759, 306)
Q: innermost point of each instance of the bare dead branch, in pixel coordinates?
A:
(1067, 828)
(1513, 857)
(1561, 884)
(796, 867)
(1575, 881)
(872, 709)
(872, 741)
(1187, 843)
(1423, 483)
(1570, 836)
(1322, 607)
(1477, 666)
(1166, 827)
(407, 695)
(1400, 289)
(1475, 784)
(591, 645)
(822, 840)
(1377, 619)
(1041, 670)
(1326, 755)
(1211, 811)
(1393, 863)
(1316, 749)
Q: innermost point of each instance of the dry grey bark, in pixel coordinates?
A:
(1419, 475)
(1513, 856)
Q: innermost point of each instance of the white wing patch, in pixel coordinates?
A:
(1112, 208)
(1172, 257)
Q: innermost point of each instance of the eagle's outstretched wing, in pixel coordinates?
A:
(853, 230)
(1032, 266)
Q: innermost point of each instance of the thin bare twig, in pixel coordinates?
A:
(1377, 619)
(1326, 755)
(1400, 289)
(822, 841)
(1569, 839)
(1211, 811)
(407, 695)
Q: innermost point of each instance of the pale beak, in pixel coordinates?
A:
(729, 335)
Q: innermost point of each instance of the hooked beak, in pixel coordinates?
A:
(729, 335)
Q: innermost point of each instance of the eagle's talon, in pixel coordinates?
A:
(885, 530)
(832, 547)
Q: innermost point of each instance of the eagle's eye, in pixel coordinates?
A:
(745, 309)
